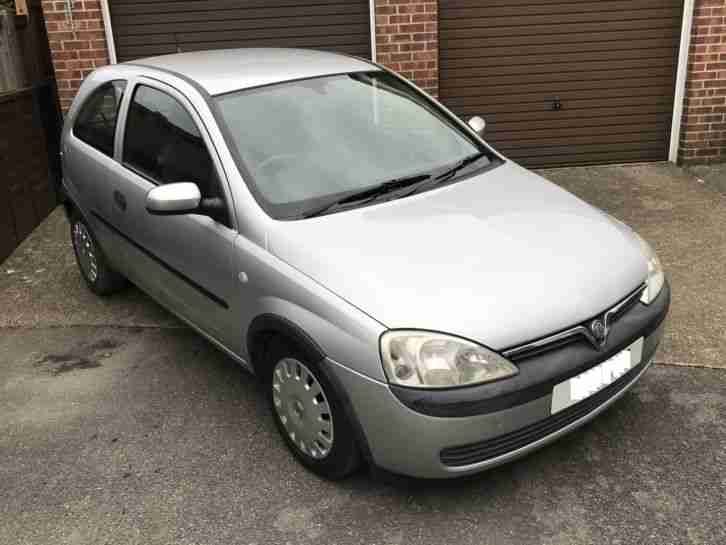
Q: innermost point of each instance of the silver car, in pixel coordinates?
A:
(407, 296)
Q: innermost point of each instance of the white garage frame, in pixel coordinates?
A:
(681, 77)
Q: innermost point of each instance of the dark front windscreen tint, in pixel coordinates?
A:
(309, 140)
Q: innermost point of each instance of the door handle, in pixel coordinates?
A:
(119, 200)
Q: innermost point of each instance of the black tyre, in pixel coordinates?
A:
(94, 267)
(308, 412)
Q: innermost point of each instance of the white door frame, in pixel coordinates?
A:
(681, 76)
(372, 9)
(108, 29)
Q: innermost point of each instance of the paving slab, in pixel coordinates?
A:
(713, 175)
(150, 436)
(40, 285)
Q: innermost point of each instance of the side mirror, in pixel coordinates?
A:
(171, 199)
(477, 124)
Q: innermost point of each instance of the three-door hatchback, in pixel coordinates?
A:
(406, 295)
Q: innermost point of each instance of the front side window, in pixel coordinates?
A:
(305, 142)
(96, 122)
(163, 143)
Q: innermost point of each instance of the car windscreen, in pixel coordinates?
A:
(302, 143)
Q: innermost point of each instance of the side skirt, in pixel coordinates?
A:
(218, 344)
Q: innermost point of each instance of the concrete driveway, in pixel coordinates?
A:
(119, 425)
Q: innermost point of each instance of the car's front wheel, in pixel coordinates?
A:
(309, 414)
(98, 274)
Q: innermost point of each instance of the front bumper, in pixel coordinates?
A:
(411, 437)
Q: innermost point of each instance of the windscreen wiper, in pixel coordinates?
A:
(461, 164)
(367, 194)
(448, 173)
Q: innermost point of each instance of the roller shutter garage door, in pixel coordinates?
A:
(144, 28)
(564, 82)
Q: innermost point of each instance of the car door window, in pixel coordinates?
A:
(163, 143)
(96, 122)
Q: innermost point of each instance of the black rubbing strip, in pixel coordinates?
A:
(208, 294)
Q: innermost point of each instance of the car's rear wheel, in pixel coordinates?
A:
(94, 267)
(308, 412)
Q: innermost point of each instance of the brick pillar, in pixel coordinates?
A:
(77, 43)
(703, 129)
(407, 40)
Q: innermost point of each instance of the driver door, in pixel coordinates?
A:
(188, 262)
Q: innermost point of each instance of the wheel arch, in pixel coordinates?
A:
(268, 325)
(70, 204)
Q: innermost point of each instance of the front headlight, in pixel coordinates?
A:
(423, 359)
(656, 278)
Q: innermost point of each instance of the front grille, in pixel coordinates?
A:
(580, 332)
(626, 305)
(491, 448)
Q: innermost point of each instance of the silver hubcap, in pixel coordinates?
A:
(86, 251)
(302, 407)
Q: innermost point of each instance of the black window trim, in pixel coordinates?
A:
(188, 106)
(119, 107)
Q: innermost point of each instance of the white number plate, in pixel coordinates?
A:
(593, 380)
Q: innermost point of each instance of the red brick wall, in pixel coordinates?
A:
(703, 130)
(407, 40)
(77, 43)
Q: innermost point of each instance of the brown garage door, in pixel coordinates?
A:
(143, 28)
(563, 82)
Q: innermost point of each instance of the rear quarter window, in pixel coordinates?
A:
(96, 121)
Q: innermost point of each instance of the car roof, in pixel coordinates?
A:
(225, 70)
